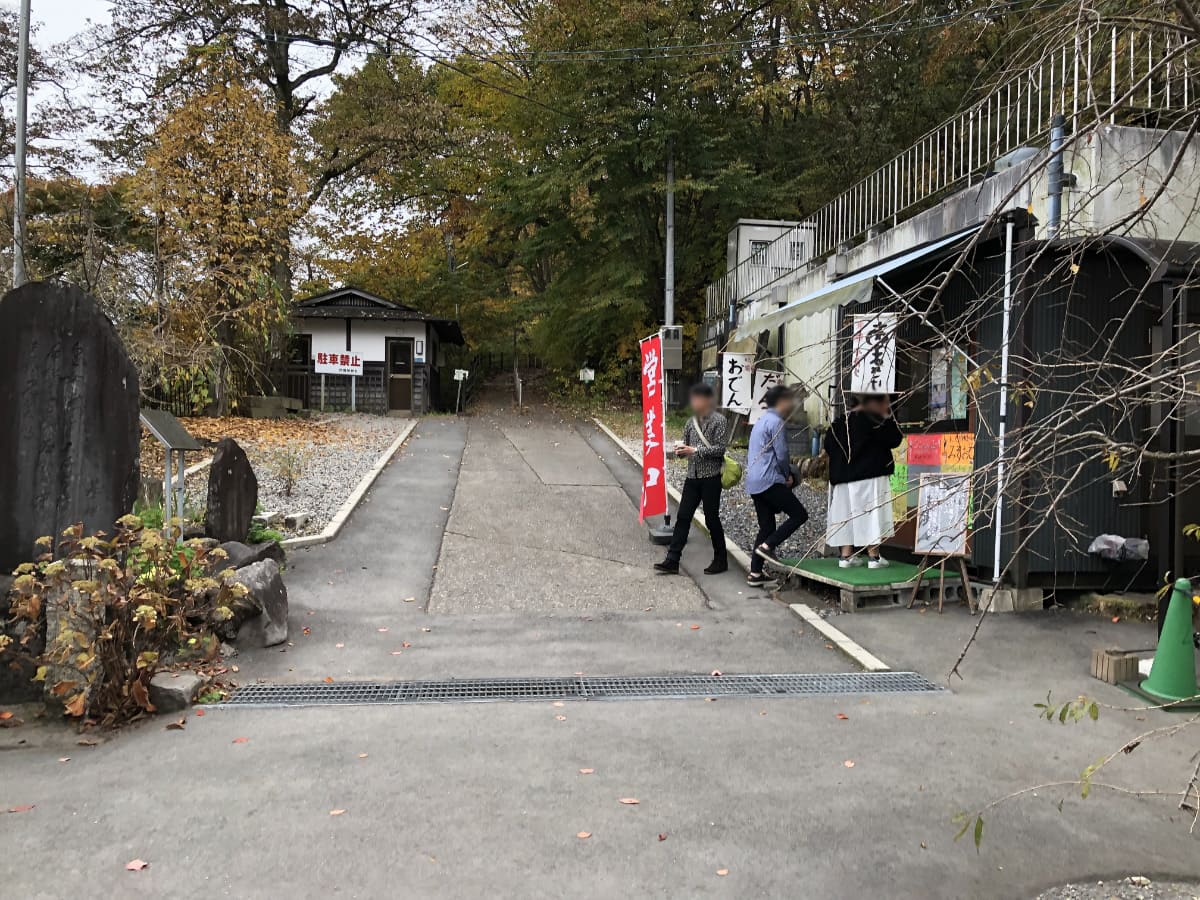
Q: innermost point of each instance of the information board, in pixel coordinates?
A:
(942, 514)
(927, 454)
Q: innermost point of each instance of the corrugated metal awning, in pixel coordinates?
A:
(854, 288)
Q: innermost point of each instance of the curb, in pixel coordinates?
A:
(840, 639)
(736, 553)
(335, 524)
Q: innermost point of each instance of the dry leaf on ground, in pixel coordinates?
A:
(560, 718)
(21, 809)
(328, 679)
(849, 764)
(177, 725)
(662, 835)
(695, 628)
(241, 740)
(136, 865)
(336, 812)
(362, 756)
(629, 801)
(722, 872)
(584, 835)
(842, 716)
(587, 771)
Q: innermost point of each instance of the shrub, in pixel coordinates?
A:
(288, 464)
(116, 611)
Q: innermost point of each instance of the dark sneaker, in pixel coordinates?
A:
(759, 580)
(667, 567)
(716, 567)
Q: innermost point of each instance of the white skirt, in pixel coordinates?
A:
(860, 513)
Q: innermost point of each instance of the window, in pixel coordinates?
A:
(758, 252)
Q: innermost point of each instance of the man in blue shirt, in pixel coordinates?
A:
(769, 483)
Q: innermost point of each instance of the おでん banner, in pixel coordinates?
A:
(654, 433)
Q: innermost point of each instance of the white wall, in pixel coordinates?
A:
(366, 336)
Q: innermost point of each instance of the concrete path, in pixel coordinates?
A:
(488, 800)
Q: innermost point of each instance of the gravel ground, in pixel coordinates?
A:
(1135, 887)
(737, 509)
(330, 465)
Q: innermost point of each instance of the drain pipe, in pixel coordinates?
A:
(1003, 423)
(1054, 175)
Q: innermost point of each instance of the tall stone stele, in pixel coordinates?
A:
(232, 493)
(69, 414)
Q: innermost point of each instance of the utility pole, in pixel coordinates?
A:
(669, 305)
(19, 148)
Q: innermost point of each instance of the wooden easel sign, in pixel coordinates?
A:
(943, 514)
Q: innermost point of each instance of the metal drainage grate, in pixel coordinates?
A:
(588, 687)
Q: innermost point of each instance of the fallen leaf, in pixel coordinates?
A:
(405, 644)
(397, 653)
(241, 740)
(695, 628)
(584, 835)
(829, 646)
(328, 679)
(762, 712)
(587, 771)
(199, 712)
(234, 669)
(716, 673)
(409, 599)
(362, 756)
(336, 812)
(1116, 619)
(136, 865)
(64, 759)
(427, 630)
(842, 716)
(381, 630)
(629, 801)
(710, 699)
(307, 630)
(177, 725)
(849, 764)
(662, 835)
(560, 718)
(5, 715)
(17, 809)
(722, 872)
(558, 703)
(86, 742)
(339, 646)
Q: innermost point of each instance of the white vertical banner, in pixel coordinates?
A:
(763, 382)
(874, 354)
(736, 384)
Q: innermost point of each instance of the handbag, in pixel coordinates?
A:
(731, 469)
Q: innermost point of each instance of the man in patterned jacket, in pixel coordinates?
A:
(704, 442)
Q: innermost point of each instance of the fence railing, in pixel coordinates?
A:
(1105, 73)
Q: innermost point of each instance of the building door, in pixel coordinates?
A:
(400, 375)
(299, 368)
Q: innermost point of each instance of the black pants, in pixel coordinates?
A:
(697, 491)
(778, 498)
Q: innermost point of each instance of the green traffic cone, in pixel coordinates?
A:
(1173, 675)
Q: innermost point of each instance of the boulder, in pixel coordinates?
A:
(267, 591)
(240, 555)
(268, 519)
(69, 404)
(232, 493)
(173, 691)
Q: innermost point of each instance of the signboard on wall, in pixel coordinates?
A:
(736, 384)
(419, 350)
(927, 454)
(337, 363)
(873, 368)
(763, 382)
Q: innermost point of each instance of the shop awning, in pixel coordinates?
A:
(854, 288)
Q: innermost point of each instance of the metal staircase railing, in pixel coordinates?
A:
(1107, 73)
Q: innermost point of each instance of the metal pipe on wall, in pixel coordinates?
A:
(1054, 175)
(1005, 326)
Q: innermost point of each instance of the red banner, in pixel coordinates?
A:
(654, 433)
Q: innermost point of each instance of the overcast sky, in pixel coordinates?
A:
(62, 19)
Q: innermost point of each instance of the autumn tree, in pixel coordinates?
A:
(222, 189)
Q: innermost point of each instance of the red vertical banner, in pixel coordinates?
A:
(654, 432)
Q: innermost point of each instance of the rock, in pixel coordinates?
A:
(69, 403)
(192, 532)
(296, 521)
(240, 555)
(269, 519)
(266, 588)
(1138, 880)
(228, 651)
(232, 493)
(203, 544)
(173, 691)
